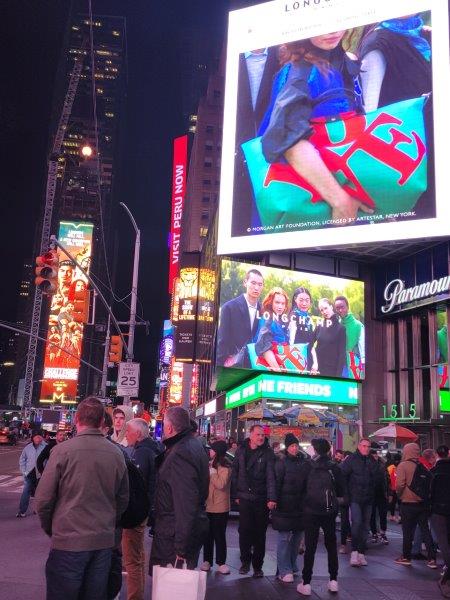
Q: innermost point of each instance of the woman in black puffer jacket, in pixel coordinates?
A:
(287, 518)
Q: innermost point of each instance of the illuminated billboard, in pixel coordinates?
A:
(65, 332)
(178, 196)
(291, 322)
(336, 124)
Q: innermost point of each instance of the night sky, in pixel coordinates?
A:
(32, 40)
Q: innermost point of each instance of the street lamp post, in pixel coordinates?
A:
(134, 286)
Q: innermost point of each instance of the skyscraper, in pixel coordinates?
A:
(92, 101)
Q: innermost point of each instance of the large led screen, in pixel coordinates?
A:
(65, 333)
(336, 124)
(291, 322)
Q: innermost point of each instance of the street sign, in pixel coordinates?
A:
(128, 379)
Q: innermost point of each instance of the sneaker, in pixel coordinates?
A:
(432, 564)
(362, 560)
(304, 589)
(342, 549)
(224, 569)
(333, 586)
(374, 538)
(301, 549)
(288, 578)
(354, 559)
(258, 573)
(401, 560)
(206, 566)
(384, 539)
(21, 515)
(244, 569)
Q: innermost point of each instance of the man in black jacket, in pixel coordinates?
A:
(182, 486)
(43, 457)
(141, 451)
(322, 483)
(239, 323)
(440, 511)
(254, 489)
(361, 474)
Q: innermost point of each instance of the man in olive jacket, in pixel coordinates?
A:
(80, 498)
(253, 487)
(182, 485)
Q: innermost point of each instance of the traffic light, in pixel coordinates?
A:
(46, 271)
(115, 349)
(80, 302)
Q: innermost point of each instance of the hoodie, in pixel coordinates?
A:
(405, 474)
(119, 436)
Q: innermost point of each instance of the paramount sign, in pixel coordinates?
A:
(396, 294)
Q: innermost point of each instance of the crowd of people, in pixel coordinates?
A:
(96, 493)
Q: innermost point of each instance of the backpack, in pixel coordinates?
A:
(321, 497)
(421, 481)
(138, 505)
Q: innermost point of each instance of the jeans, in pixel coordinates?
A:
(313, 524)
(392, 502)
(78, 575)
(134, 560)
(380, 505)
(115, 573)
(29, 487)
(414, 514)
(287, 551)
(441, 525)
(344, 512)
(217, 536)
(253, 521)
(360, 515)
(418, 539)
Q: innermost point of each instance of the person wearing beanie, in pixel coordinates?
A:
(287, 517)
(27, 465)
(217, 508)
(414, 510)
(323, 488)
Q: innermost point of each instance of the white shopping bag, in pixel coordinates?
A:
(178, 584)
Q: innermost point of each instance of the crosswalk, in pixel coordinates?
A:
(12, 483)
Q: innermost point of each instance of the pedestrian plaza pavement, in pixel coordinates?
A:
(25, 549)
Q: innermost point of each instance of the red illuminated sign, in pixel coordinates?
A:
(178, 195)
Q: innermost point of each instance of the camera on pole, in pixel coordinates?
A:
(47, 272)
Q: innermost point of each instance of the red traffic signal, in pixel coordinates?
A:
(47, 272)
(115, 349)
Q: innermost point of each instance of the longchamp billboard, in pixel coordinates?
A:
(336, 124)
(290, 322)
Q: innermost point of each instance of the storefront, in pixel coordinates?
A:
(332, 404)
(413, 301)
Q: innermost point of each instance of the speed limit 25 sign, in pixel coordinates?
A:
(128, 380)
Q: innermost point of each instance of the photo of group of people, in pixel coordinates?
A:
(65, 333)
(287, 321)
(331, 131)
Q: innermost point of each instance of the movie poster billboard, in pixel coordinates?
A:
(65, 334)
(206, 317)
(290, 322)
(186, 314)
(336, 124)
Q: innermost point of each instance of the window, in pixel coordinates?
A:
(207, 162)
(209, 129)
(205, 200)
(217, 94)
(207, 182)
(205, 215)
(203, 232)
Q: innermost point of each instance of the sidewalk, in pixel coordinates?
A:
(25, 549)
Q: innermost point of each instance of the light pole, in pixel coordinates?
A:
(134, 285)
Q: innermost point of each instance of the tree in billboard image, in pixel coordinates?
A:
(278, 320)
(346, 138)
